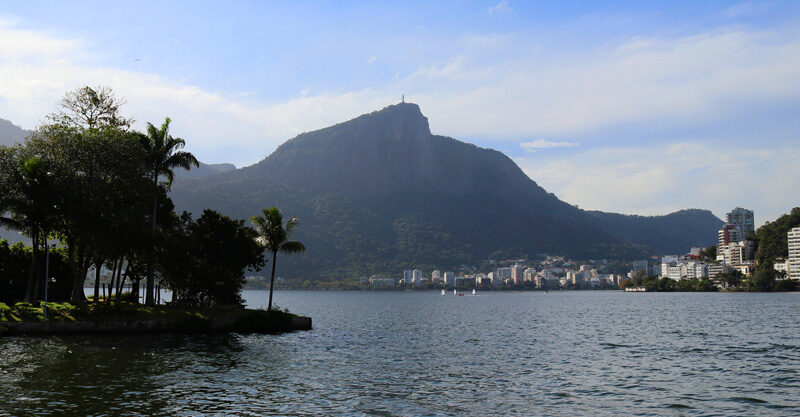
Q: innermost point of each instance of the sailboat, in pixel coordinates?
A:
(473, 291)
(442, 291)
(454, 292)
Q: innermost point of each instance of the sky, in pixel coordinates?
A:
(631, 107)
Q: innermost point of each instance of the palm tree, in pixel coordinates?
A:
(30, 206)
(163, 156)
(273, 236)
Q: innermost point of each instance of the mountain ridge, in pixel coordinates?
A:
(381, 191)
(11, 133)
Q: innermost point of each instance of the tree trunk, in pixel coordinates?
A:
(98, 265)
(34, 267)
(151, 256)
(37, 279)
(121, 278)
(272, 280)
(111, 285)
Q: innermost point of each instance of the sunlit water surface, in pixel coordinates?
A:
(418, 353)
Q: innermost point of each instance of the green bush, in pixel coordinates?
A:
(5, 312)
(26, 310)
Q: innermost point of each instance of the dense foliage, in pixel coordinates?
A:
(203, 261)
(771, 238)
(654, 283)
(100, 190)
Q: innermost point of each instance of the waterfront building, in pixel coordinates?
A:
(416, 275)
(714, 270)
(449, 278)
(794, 253)
(740, 253)
(436, 276)
(503, 274)
(743, 221)
(408, 275)
(782, 266)
(466, 281)
(529, 274)
(574, 277)
(684, 269)
(379, 281)
(517, 273)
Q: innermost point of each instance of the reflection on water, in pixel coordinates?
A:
(390, 353)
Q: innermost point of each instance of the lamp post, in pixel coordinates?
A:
(46, 274)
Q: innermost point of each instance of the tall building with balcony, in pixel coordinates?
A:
(794, 253)
(743, 220)
(728, 234)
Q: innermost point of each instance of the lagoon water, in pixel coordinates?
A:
(419, 353)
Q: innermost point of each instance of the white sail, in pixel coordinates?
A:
(473, 292)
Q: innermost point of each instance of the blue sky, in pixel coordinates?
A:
(635, 107)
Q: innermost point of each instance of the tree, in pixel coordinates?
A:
(273, 236)
(709, 254)
(91, 108)
(204, 261)
(28, 198)
(163, 156)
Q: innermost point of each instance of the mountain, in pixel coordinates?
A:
(380, 193)
(11, 133)
(204, 170)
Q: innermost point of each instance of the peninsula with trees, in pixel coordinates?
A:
(91, 194)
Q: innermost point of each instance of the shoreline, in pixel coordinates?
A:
(158, 320)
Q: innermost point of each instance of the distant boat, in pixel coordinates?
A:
(442, 292)
(473, 291)
(454, 292)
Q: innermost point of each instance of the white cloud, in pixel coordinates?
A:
(547, 144)
(653, 82)
(501, 7)
(662, 179)
(662, 82)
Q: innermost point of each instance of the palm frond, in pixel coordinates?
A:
(291, 225)
(292, 247)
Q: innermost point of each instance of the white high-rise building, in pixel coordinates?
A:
(503, 274)
(529, 274)
(436, 275)
(794, 253)
(416, 275)
(408, 276)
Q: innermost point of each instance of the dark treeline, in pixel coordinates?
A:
(88, 184)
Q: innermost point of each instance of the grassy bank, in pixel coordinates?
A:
(124, 317)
